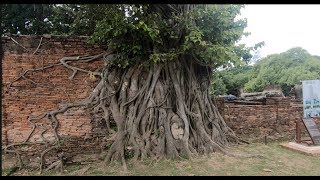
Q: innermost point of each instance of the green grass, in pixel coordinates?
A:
(278, 161)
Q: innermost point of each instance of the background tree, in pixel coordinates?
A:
(41, 19)
(285, 69)
(230, 81)
(26, 18)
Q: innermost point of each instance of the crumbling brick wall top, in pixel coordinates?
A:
(49, 44)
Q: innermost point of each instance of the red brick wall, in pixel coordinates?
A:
(275, 120)
(54, 87)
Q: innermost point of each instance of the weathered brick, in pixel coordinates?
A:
(275, 120)
(25, 99)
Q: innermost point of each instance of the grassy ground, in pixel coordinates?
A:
(278, 161)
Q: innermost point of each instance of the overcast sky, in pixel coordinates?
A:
(282, 27)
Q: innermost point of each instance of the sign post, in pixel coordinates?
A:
(298, 131)
(311, 98)
(311, 110)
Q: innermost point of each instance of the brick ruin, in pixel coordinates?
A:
(53, 87)
(274, 120)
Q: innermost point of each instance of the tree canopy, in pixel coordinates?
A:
(141, 32)
(153, 91)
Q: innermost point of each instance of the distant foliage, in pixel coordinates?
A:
(285, 69)
(230, 81)
(26, 18)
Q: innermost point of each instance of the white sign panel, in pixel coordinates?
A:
(311, 98)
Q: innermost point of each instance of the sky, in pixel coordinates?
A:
(282, 27)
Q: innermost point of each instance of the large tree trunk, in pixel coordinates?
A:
(162, 111)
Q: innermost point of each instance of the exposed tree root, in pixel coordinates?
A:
(160, 111)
